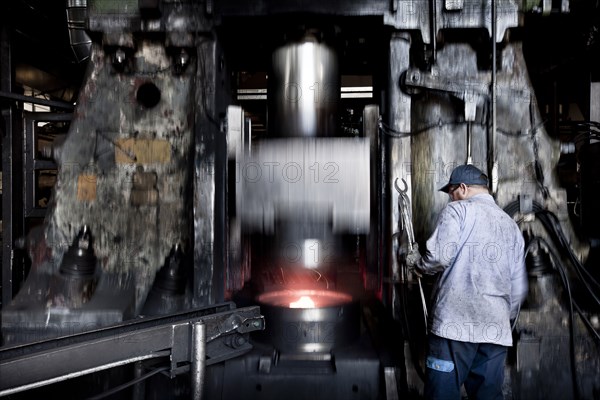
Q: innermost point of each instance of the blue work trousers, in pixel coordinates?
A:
(450, 364)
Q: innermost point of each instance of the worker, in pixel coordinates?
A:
(477, 251)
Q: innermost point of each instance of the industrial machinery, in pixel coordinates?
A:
(241, 181)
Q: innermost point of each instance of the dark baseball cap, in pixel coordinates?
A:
(467, 174)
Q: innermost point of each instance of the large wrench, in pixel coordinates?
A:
(406, 219)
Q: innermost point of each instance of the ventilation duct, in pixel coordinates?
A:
(78, 37)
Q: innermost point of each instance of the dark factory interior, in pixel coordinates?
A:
(214, 199)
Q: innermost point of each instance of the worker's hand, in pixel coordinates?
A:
(413, 257)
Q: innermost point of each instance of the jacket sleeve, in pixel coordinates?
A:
(519, 283)
(442, 246)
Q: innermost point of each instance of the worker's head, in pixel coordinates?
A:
(465, 181)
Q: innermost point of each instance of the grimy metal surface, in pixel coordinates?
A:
(144, 164)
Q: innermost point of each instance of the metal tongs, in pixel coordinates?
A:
(406, 219)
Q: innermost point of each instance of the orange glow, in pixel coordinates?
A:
(303, 302)
(304, 298)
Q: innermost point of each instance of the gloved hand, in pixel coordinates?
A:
(413, 257)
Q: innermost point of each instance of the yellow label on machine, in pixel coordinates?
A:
(142, 151)
(86, 187)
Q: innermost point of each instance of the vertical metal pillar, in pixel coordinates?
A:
(198, 368)
(206, 251)
(492, 162)
(210, 186)
(396, 154)
(374, 244)
(12, 147)
(139, 389)
(6, 127)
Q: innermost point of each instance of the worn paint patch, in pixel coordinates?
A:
(86, 187)
(143, 191)
(142, 151)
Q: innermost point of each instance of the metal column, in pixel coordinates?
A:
(198, 371)
(12, 147)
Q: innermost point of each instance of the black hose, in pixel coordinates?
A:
(571, 330)
(552, 225)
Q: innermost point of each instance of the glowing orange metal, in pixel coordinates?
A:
(303, 302)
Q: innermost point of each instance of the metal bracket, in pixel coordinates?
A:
(472, 90)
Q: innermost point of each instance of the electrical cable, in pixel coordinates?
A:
(383, 127)
(563, 240)
(402, 134)
(404, 301)
(403, 298)
(585, 319)
(563, 275)
(404, 289)
(552, 225)
(581, 124)
(132, 382)
(583, 132)
(548, 218)
(587, 322)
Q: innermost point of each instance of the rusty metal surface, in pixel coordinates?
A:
(114, 141)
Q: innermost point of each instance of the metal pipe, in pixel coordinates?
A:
(36, 100)
(198, 368)
(492, 162)
(469, 142)
(12, 222)
(78, 37)
(433, 30)
(304, 90)
(139, 389)
(77, 374)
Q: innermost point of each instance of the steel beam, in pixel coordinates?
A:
(176, 336)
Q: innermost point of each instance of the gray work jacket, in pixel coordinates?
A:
(479, 251)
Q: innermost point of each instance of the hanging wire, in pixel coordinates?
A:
(387, 130)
